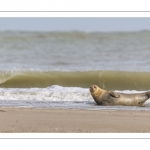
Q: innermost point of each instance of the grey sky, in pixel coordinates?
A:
(70, 24)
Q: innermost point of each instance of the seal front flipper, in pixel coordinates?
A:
(114, 94)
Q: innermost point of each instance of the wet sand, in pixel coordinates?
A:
(29, 120)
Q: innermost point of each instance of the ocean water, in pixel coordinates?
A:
(56, 69)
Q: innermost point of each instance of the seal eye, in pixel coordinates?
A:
(94, 87)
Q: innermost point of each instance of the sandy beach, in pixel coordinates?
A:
(29, 120)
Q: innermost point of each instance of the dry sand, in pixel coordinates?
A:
(27, 120)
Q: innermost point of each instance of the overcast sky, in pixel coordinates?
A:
(71, 24)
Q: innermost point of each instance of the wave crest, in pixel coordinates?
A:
(111, 80)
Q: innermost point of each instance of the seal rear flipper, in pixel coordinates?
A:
(147, 93)
(114, 94)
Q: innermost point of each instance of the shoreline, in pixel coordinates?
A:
(32, 120)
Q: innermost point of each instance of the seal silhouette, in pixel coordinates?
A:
(104, 97)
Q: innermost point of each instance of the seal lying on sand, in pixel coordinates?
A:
(103, 97)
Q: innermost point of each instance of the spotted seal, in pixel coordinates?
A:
(104, 97)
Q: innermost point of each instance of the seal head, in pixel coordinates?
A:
(98, 94)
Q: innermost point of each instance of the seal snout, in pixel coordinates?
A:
(91, 89)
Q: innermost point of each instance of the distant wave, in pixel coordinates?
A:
(114, 80)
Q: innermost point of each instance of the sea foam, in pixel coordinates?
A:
(58, 97)
(52, 93)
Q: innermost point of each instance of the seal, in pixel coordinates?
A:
(104, 97)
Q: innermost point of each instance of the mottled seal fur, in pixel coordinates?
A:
(103, 97)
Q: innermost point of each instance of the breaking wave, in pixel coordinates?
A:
(113, 80)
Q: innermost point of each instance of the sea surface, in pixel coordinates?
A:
(56, 69)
